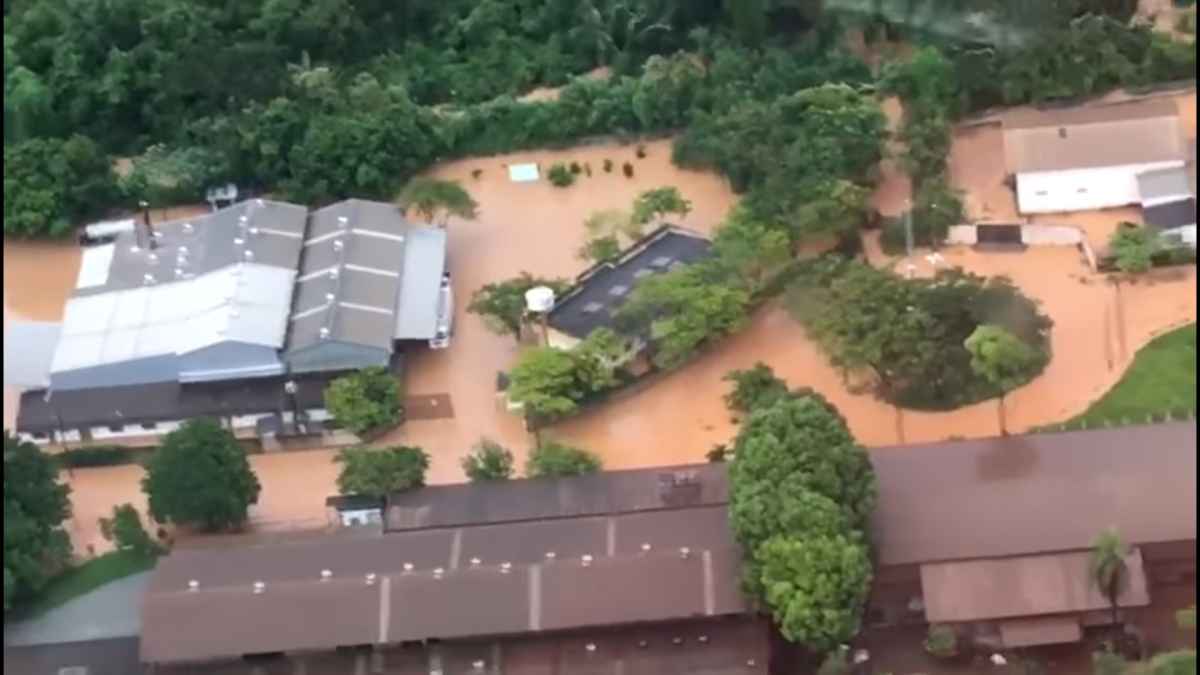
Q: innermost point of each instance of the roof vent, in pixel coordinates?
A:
(475, 562)
(152, 258)
(438, 572)
(408, 567)
(254, 230)
(751, 662)
(329, 297)
(188, 228)
(238, 241)
(551, 555)
(181, 251)
(618, 290)
(591, 647)
(478, 666)
(338, 245)
(370, 578)
(193, 585)
(676, 640)
(505, 567)
(703, 639)
(325, 575)
(586, 559)
(685, 553)
(148, 279)
(243, 219)
(249, 255)
(643, 644)
(593, 307)
(646, 547)
(178, 273)
(343, 222)
(324, 333)
(259, 587)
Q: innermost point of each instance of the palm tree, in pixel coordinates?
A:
(1108, 568)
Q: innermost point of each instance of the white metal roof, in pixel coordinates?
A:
(246, 303)
(417, 302)
(94, 266)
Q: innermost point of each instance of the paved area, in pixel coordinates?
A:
(111, 611)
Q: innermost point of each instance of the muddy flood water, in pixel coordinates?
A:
(673, 418)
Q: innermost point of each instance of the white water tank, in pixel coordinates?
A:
(539, 299)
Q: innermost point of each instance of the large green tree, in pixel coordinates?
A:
(1133, 248)
(431, 197)
(653, 205)
(377, 472)
(1002, 359)
(502, 304)
(200, 477)
(752, 250)
(364, 401)
(50, 185)
(488, 461)
(816, 587)
(682, 309)
(1109, 569)
(35, 505)
(553, 382)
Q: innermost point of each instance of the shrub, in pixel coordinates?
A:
(1106, 662)
(1134, 247)
(376, 473)
(553, 459)
(836, 662)
(366, 401)
(125, 530)
(718, 453)
(476, 173)
(576, 168)
(100, 455)
(754, 388)
(560, 176)
(641, 152)
(941, 641)
(608, 166)
(627, 168)
(488, 461)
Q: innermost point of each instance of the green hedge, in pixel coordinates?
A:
(101, 455)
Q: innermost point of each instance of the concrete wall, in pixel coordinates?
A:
(962, 235)
(1082, 189)
(1031, 235)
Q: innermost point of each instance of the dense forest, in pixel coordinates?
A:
(315, 100)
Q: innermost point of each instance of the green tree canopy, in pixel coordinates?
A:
(552, 459)
(1108, 568)
(488, 461)
(652, 205)
(502, 304)
(200, 477)
(124, 528)
(753, 251)
(553, 382)
(681, 310)
(754, 388)
(364, 401)
(35, 505)
(50, 185)
(1002, 358)
(372, 472)
(816, 587)
(1134, 247)
(431, 197)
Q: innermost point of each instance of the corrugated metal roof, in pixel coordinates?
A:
(1004, 588)
(350, 275)
(28, 351)
(259, 231)
(1082, 138)
(244, 303)
(499, 579)
(424, 265)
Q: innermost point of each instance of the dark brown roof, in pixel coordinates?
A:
(543, 498)
(1038, 493)
(465, 582)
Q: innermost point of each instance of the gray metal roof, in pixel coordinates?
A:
(424, 266)
(270, 234)
(603, 288)
(349, 276)
(1169, 215)
(1164, 184)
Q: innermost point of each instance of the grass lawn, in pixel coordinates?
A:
(1161, 379)
(83, 579)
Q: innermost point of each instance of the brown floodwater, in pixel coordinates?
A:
(674, 417)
